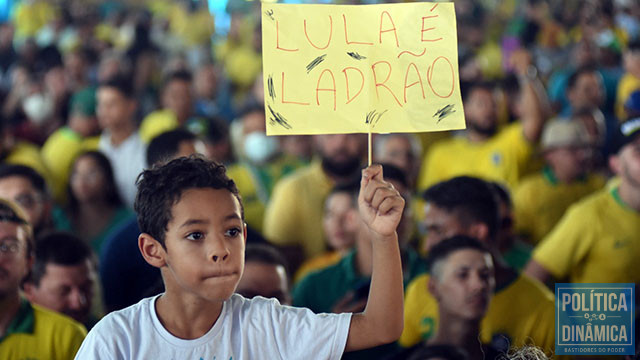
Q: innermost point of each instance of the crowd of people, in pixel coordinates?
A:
(543, 186)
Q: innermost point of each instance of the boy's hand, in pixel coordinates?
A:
(379, 202)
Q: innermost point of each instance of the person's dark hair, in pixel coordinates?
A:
(634, 45)
(59, 248)
(160, 187)
(467, 87)
(250, 107)
(443, 249)
(392, 172)
(501, 191)
(470, 199)
(121, 84)
(165, 146)
(110, 190)
(573, 79)
(218, 130)
(36, 180)
(177, 75)
(351, 187)
(266, 254)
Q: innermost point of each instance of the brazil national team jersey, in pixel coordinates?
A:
(39, 334)
(597, 241)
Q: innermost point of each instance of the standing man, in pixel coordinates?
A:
(120, 140)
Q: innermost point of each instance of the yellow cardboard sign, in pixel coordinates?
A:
(353, 68)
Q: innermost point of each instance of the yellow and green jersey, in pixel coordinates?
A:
(596, 241)
(539, 201)
(39, 334)
(502, 158)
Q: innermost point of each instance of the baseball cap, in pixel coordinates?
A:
(627, 132)
(562, 132)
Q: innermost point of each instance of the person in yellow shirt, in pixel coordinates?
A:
(630, 81)
(28, 331)
(483, 150)
(293, 217)
(541, 199)
(522, 310)
(598, 239)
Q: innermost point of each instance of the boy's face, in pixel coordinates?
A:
(205, 240)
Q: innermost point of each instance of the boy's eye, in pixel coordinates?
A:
(233, 232)
(195, 236)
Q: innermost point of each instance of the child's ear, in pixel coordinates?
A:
(152, 251)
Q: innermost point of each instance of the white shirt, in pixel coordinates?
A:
(128, 159)
(255, 328)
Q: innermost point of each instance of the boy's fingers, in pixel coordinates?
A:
(370, 189)
(380, 195)
(373, 172)
(391, 203)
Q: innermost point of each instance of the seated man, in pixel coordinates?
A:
(522, 309)
(462, 281)
(541, 199)
(598, 239)
(28, 331)
(265, 274)
(63, 277)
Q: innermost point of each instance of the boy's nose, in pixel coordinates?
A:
(218, 257)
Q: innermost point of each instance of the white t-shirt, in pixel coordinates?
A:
(255, 328)
(128, 159)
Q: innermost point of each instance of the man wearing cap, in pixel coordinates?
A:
(598, 239)
(541, 199)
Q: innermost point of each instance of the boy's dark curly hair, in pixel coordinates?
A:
(160, 187)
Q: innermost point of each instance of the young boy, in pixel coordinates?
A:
(192, 224)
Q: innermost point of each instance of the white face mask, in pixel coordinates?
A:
(258, 147)
(38, 107)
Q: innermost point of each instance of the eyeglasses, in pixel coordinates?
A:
(9, 247)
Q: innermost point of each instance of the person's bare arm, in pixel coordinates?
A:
(535, 107)
(381, 208)
(537, 271)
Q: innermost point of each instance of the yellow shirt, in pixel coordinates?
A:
(31, 17)
(156, 123)
(58, 154)
(24, 153)
(523, 311)
(317, 263)
(627, 85)
(39, 334)
(597, 241)
(252, 202)
(294, 213)
(503, 158)
(540, 201)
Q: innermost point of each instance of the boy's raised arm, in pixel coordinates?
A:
(380, 207)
